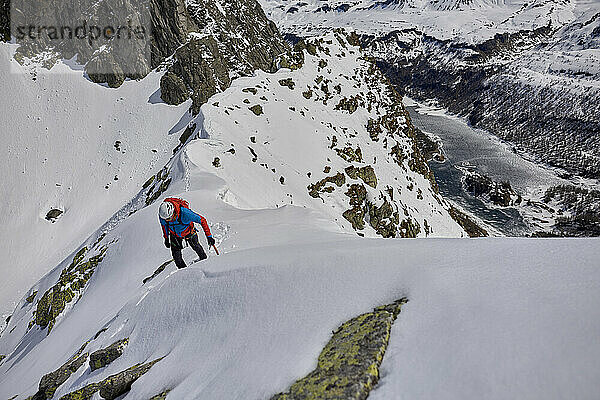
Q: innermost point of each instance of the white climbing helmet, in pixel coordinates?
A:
(166, 210)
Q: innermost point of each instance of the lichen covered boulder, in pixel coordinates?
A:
(51, 381)
(71, 283)
(113, 386)
(348, 366)
(101, 358)
(366, 174)
(314, 189)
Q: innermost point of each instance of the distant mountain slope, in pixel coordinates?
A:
(461, 20)
(527, 72)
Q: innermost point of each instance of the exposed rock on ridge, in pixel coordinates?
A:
(348, 366)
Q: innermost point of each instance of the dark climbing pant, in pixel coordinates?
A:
(177, 246)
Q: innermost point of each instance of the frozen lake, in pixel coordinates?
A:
(474, 148)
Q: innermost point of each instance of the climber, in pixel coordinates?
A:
(177, 222)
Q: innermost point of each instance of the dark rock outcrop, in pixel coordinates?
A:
(256, 109)
(113, 386)
(160, 396)
(72, 281)
(205, 44)
(498, 193)
(366, 174)
(101, 358)
(53, 214)
(50, 382)
(315, 189)
(472, 229)
(348, 366)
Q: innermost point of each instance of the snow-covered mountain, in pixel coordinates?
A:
(461, 20)
(331, 135)
(526, 72)
(306, 164)
(116, 310)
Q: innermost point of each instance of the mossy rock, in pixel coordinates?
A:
(366, 174)
(148, 182)
(384, 219)
(114, 386)
(85, 393)
(216, 162)
(374, 129)
(71, 281)
(118, 384)
(348, 366)
(160, 396)
(256, 109)
(357, 194)
(355, 216)
(287, 82)
(349, 104)
(101, 358)
(31, 297)
(2, 357)
(51, 381)
(316, 188)
(349, 154)
(397, 154)
(409, 228)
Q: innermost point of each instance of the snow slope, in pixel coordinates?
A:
(69, 157)
(486, 318)
(296, 142)
(60, 132)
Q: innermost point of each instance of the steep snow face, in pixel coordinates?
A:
(332, 136)
(75, 146)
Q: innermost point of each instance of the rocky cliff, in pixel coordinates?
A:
(202, 45)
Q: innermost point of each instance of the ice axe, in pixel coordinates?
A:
(215, 247)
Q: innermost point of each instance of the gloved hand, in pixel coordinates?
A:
(211, 241)
(167, 244)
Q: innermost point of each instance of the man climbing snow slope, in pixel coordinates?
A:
(177, 222)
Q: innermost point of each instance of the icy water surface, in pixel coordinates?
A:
(467, 147)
